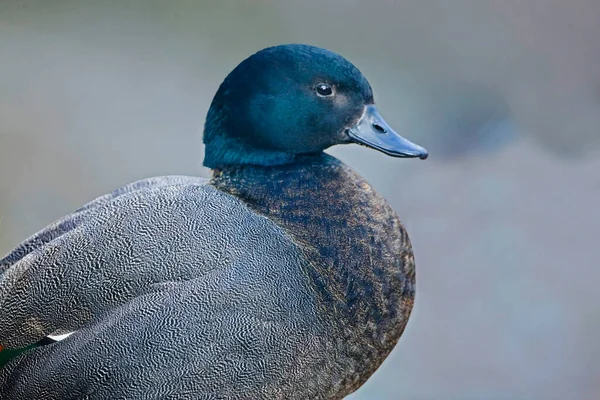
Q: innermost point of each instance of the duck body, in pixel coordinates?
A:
(340, 311)
(285, 276)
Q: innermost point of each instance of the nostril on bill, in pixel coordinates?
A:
(379, 128)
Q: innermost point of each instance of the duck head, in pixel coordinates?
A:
(292, 100)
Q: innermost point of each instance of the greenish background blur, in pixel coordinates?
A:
(504, 216)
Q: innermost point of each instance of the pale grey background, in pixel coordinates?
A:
(504, 216)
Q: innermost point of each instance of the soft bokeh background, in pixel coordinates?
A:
(504, 216)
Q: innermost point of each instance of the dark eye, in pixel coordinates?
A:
(324, 90)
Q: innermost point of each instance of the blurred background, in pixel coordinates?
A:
(504, 216)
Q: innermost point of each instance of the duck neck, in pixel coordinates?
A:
(223, 152)
(360, 258)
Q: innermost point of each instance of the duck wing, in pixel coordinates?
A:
(171, 289)
(190, 340)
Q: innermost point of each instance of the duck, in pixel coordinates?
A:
(285, 275)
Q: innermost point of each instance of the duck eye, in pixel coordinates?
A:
(324, 90)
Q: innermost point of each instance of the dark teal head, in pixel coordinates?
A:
(290, 100)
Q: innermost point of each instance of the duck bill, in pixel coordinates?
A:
(372, 131)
